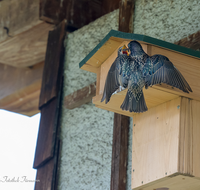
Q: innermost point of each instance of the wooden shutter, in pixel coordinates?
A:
(46, 154)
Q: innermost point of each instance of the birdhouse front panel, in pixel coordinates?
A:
(165, 147)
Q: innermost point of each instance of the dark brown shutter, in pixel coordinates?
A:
(46, 154)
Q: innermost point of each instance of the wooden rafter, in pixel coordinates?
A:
(80, 97)
(77, 12)
(17, 16)
(27, 48)
(20, 88)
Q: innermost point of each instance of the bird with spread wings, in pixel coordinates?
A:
(139, 70)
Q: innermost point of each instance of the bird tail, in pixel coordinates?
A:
(130, 103)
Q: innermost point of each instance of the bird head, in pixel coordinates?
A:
(123, 50)
(135, 48)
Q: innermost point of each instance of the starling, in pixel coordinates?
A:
(116, 75)
(138, 70)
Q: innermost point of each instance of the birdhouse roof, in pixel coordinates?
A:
(115, 38)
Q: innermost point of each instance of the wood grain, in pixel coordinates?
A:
(18, 16)
(165, 146)
(153, 97)
(20, 88)
(80, 97)
(155, 143)
(176, 182)
(126, 12)
(24, 101)
(119, 152)
(27, 48)
(14, 79)
(78, 13)
(47, 133)
(44, 176)
(192, 41)
(52, 74)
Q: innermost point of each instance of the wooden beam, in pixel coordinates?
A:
(119, 152)
(13, 79)
(77, 12)
(27, 48)
(20, 88)
(121, 122)
(80, 97)
(18, 16)
(126, 10)
(192, 41)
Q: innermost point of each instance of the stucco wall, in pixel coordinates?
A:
(168, 20)
(87, 131)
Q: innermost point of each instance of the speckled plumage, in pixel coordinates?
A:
(138, 70)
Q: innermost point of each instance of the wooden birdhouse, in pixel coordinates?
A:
(166, 138)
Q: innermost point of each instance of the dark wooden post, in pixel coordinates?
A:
(121, 122)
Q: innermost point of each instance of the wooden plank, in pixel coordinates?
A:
(77, 12)
(53, 63)
(80, 97)
(47, 133)
(195, 133)
(155, 143)
(192, 41)
(44, 176)
(24, 101)
(153, 97)
(189, 157)
(27, 48)
(177, 182)
(13, 79)
(165, 146)
(126, 15)
(119, 152)
(185, 139)
(109, 6)
(18, 16)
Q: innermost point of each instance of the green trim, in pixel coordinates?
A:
(139, 37)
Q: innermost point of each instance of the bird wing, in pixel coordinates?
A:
(158, 69)
(112, 80)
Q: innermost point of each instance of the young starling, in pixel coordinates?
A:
(139, 70)
(117, 74)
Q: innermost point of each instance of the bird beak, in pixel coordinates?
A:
(125, 50)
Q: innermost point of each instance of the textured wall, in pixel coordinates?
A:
(168, 20)
(79, 44)
(87, 130)
(87, 149)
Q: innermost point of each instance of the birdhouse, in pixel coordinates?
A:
(165, 147)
